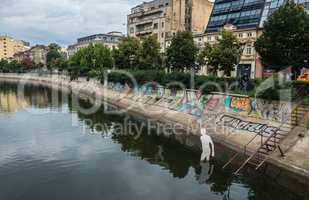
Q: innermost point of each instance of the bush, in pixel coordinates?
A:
(208, 83)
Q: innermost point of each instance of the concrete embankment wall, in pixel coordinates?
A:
(234, 121)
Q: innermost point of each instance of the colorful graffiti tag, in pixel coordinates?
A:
(193, 103)
(237, 104)
(211, 104)
(270, 110)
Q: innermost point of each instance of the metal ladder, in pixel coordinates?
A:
(261, 155)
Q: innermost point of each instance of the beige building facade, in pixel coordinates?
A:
(10, 46)
(163, 18)
(249, 62)
(111, 40)
(37, 54)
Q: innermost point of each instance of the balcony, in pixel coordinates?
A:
(144, 31)
(144, 23)
(144, 13)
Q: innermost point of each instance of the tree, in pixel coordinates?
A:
(127, 54)
(53, 55)
(90, 61)
(4, 65)
(204, 57)
(150, 57)
(102, 59)
(182, 52)
(226, 53)
(285, 39)
(28, 64)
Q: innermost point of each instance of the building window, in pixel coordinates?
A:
(249, 50)
(162, 35)
(209, 38)
(155, 26)
(162, 24)
(132, 30)
(216, 37)
(240, 35)
(249, 34)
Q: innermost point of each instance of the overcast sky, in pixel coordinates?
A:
(62, 21)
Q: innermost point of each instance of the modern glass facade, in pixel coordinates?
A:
(244, 13)
(241, 13)
(272, 5)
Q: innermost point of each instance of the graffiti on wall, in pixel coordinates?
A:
(193, 103)
(237, 104)
(271, 110)
(239, 124)
(212, 104)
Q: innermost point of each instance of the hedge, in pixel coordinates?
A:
(289, 91)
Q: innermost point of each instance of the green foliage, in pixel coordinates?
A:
(285, 39)
(54, 58)
(17, 67)
(204, 55)
(182, 53)
(127, 54)
(90, 61)
(165, 79)
(226, 53)
(149, 55)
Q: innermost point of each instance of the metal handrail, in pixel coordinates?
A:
(256, 152)
(245, 147)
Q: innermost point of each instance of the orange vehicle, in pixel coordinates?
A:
(304, 76)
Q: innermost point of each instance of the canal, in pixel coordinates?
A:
(50, 150)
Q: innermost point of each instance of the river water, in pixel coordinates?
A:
(51, 151)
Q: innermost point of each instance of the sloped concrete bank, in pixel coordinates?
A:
(236, 122)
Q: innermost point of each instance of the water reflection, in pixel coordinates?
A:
(32, 96)
(60, 159)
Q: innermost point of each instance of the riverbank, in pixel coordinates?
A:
(225, 117)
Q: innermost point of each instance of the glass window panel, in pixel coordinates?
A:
(274, 4)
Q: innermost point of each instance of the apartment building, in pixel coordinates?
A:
(163, 18)
(110, 40)
(36, 53)
(9, 46)
(250, 64)
(245, 18)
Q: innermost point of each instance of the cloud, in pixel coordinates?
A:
(62, 21)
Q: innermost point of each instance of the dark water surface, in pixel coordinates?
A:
(48, 152)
